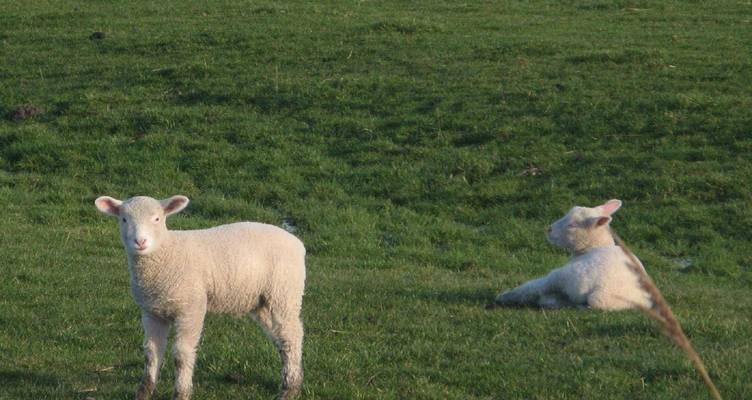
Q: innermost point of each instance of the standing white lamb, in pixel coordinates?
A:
(178, 276)
(596, 276)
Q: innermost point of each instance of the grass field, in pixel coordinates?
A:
(419, 148)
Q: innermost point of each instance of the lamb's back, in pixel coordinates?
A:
(237, 264)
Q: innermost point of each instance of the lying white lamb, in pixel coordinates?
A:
(596, 276)
(178, 276)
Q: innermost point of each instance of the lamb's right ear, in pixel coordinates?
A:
(108, 205)
(174, 204)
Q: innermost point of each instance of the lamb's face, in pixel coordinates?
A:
(142, 225)
(583, 227)
(571, 229)
(142, 220)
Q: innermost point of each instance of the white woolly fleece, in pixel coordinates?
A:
(596, 276)
(178, 276)
(231, 268)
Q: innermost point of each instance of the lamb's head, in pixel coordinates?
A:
(584, 228)
(142, 220)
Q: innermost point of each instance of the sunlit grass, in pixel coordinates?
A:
(420, 149)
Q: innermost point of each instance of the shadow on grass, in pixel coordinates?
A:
(663, 374)
(467, 296)
(17, 377)
(258, 380)
(261, 382)
(621, 330)
(197, 96)
(22, 384)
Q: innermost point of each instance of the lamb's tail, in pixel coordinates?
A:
(529, 293)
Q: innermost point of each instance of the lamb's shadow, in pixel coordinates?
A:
(621, 330)
(492, 305)
(18, 377)
(22, 380)
(463, 296)
(263, 383)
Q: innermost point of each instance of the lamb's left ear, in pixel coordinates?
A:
(174, 204)
(610, 207)
(606, 210)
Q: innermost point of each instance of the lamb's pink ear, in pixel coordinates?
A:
(601, 221)
(108, 205)
(610, 207)
(174, 204)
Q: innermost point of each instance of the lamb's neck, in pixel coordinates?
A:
(146, 267)
(597, 242)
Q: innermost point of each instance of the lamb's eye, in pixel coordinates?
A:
(123, 219)
(156, 219)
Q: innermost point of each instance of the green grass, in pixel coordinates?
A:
(421, 148)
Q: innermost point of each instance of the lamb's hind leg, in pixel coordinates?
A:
(263, 316)
(286, 329)
(287, 335)
(605, 300)
(155, 342)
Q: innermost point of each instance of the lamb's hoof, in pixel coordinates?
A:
(505, 299)
(289, 393)
(145, 389)
(181, 396)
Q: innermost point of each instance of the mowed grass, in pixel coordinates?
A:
(420, 149)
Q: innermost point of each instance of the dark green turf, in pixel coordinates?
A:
(421, 149)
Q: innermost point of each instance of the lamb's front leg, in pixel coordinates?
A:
(155, 342)
(555, 300)
(187, 334)
(528, 293)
